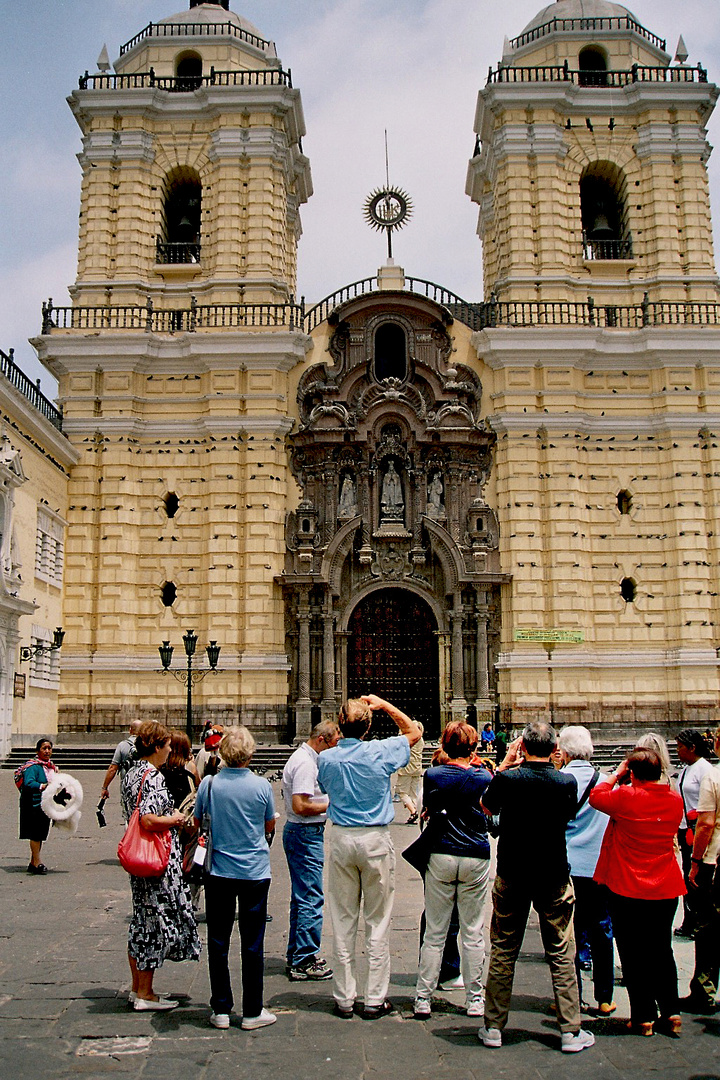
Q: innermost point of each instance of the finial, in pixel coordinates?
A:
(103, 60)
(681, 53)
(389, 207)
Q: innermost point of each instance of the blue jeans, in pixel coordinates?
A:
(222, 895)
(304, 851)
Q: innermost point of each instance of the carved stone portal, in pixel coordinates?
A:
(393, 473)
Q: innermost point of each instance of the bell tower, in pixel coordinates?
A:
(601, 329)
(591, 163)
(173, 366)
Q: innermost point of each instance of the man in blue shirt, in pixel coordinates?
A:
(355, 775)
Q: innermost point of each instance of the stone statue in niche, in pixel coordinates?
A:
(347, 507)
(435, 503)
(391, 497)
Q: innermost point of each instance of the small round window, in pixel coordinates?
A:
(628, 590)
(168, 594)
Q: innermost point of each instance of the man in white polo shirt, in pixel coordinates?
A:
(303, 839)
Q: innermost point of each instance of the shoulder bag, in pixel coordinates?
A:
(143, 853)
(197, 857)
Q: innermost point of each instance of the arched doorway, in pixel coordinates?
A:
(393, 651)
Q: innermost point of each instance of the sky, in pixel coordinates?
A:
(411, 67)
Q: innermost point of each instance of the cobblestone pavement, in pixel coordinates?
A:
(63, 994)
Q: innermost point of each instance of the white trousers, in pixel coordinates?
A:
(361, 866)
(450, 878)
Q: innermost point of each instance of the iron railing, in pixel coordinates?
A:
(29, 389)
(168, 253)
(593, 24)
(563, 73)
(594, 250)
(531, 313)
(173, 320)
(481, 315)
(184, 83)
(192, 29)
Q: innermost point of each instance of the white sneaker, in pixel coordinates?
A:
(220, 1020)
(491, 1037)
(132, 997)
(573, 1042)
(161, 1005)
(453, 984)
(422, 1008)
(476, 1007)
(249, 1023)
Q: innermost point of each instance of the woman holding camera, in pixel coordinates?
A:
(640, 869)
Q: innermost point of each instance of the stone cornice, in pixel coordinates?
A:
(31, 424)
(179, 354)
(583, 423)
(571, 656)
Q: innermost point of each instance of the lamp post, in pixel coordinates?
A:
(190, 676)
(28, 651)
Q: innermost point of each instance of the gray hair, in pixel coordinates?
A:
(540, 738)
(237, 747)
(652, 741)
(576, 742)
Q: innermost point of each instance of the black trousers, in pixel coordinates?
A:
(223, 896)
(643, 935)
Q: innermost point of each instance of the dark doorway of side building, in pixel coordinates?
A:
(393, 652)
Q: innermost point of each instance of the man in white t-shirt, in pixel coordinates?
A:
(303, 841)
(703, 880)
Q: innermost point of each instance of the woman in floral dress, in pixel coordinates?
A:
(163, 925)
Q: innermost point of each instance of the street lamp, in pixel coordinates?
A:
(28, 651)
(191, 676)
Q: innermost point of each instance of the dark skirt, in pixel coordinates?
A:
(34, 823)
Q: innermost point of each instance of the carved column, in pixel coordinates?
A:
(483, 704)
(458, 705)
(444, 668)
(327, 706)
(365, 506)
(303, 704)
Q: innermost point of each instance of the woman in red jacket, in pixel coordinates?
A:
(639, 866)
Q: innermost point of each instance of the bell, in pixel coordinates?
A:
(601, 229)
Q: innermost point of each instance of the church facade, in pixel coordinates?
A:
(501, 509)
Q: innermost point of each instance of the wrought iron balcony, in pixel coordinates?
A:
(596, 250)
(552, 73)
(593, 24)
(184, 83)
(177, 253)
(197, 29)
(30, 390)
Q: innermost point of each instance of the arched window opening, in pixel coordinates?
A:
(168, 594)
(306, 525)
(628, 590)
(624, 502)
(604, 216)
(188, 72)
(593, 67)
(390, 352)
(171, 504)
(180, 242)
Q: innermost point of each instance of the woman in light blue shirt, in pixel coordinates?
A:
(242, 813)
(584, 836)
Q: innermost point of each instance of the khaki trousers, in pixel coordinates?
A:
(361, 866)
(511, 908)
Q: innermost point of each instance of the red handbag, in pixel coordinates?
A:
(141, 852)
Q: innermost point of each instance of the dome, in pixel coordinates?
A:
(212, 13)
(579, 9)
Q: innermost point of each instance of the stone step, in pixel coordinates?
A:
(265, 757)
